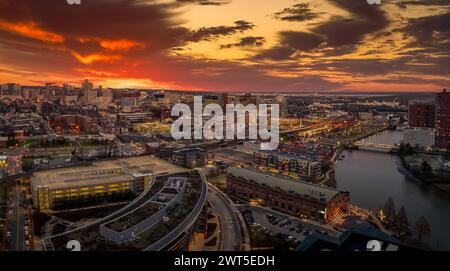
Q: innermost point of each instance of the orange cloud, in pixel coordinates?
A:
(88, 59)
(122, 44)
(31, 30)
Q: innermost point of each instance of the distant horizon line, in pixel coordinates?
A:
(255, 91)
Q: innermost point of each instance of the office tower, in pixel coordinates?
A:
(10, 89)
(443, 120)
(88, 92)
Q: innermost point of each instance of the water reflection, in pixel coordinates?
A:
(372, 177)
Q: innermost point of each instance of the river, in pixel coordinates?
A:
(372, 177)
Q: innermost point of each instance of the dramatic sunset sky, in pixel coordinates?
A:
(229, 45)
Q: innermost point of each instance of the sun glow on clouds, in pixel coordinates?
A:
(114, 45)
(88, 59)
(196, 44)
(31, 30)
(134, 83)
(122, 44)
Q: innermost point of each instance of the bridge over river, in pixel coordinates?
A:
(375, 146)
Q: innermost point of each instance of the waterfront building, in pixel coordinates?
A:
(303, 164)
(293, 197)
(421, 138)
(421, 115)
(443, 120)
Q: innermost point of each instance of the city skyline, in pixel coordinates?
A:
(237, 46)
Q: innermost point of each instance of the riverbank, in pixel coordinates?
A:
(373, 177)
(404, 168)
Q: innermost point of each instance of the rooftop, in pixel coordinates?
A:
(297, 155)
(306, 190)
(102, 171)
(180, 217)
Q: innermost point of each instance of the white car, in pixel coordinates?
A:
(27, 243)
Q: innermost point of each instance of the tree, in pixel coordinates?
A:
(402, 222)
(389, 211)
(427, 170)
(422, 229)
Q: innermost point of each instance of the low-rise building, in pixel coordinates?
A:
(101, 178)
(75, 123)
(164, 217)
(190, 158)
(131, 118)
(293, 197)
(303, 164)
(421, 138)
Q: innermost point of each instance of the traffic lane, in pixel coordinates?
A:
(233, 213)
(18, 220)
(223, 216)
(13, 223)
(229, 232)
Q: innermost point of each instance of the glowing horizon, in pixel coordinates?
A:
(229, 45)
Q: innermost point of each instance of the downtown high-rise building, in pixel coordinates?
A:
(89, 95)
(421, 115)
(443, 120)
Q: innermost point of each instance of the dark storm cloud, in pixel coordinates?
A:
(208, 33)
(406, 3)
(431, 32)
(337, 36)
(339, 51)
(291, 42)
(363, 67)
(205, 2)
(246, 41)
(407, 80)
(301, 41)
(364, 19)
(153, 24)
(297, 13)
(275, 53)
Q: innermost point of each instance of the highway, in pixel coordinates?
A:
(230, 231)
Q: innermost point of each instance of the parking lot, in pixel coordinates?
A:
(291, 229)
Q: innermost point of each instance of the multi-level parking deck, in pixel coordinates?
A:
(163, 217)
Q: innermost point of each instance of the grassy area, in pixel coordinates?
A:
(259, 239)
(91, 213)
